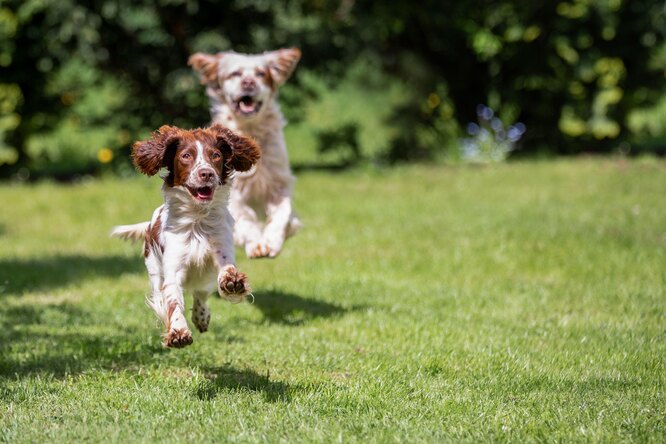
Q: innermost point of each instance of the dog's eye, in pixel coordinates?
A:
(260, 73)
(186, 156)
(216, 156)
(235, 74)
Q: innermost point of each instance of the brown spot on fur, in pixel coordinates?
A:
(170, 309)
(268, 79)
(153, 236)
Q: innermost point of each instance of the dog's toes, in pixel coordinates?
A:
(234, 285)
(258, 251)
(178, 338)
(239, 287)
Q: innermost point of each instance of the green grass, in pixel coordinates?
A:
(519, 302)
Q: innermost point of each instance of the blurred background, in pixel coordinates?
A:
(380, 82)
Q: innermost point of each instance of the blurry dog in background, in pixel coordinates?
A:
(243, 93)
(188, 244)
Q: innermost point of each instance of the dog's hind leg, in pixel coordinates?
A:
(200, 311)
(279, 216)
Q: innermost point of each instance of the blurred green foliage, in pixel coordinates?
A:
(81, 80)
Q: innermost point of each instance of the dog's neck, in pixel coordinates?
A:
(184, 214)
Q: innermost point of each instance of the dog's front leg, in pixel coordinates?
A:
(279, 216)
(232, 285)
(177, 333)
(247, 228)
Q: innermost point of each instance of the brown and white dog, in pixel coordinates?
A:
(243, 93)
(188, 244)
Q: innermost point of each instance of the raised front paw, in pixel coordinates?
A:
(178, 338)
(233, 285)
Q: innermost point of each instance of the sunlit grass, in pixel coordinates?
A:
(518, 302)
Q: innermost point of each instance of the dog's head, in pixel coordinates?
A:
(198, 161)
(245, 82)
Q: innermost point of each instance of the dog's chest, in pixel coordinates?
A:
(198, 249)
(271, 175)
(200, 261)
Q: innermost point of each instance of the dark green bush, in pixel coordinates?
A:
(81, 80)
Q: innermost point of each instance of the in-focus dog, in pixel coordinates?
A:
(243, 93)
(188, 244)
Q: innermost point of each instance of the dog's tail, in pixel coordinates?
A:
(134, 232)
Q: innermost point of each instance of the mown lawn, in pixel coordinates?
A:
(522, 302)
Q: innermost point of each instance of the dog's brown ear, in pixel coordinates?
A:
(152, 154)
(240, 152)
(282, 63)
(206, 65)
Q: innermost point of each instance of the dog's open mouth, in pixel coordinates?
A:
(203, 194)
(246, 105)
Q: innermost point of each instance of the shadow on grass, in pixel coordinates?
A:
(291, 309)
(22, 276)
(226, 378)
(40, 340)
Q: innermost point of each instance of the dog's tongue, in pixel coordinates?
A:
(246, 105)
(205, 193)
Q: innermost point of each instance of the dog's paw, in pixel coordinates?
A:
(274, 248)
(257, 250)
(201, 317)
(233, 285)
(178, 338)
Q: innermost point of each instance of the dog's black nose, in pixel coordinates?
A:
(206, 175)
(248, 83)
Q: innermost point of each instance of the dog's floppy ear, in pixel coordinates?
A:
(206, 65)
(282, 63)
(157, 152)
(240, 152)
